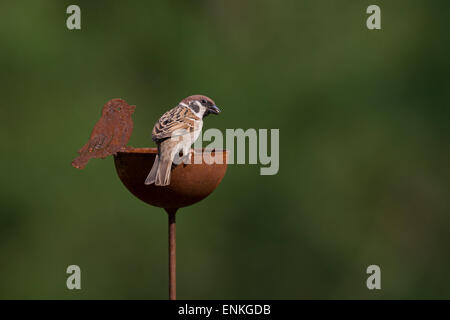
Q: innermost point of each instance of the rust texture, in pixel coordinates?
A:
(188, 185)
(110, 134)
(172, 255)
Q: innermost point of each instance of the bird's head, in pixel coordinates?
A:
(200, 105)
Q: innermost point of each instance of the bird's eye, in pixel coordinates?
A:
(203, 101)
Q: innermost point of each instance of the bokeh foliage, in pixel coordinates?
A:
(364, 159)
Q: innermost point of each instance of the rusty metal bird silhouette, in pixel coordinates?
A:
(110, 134)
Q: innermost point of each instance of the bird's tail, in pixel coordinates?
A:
(163, 173)
(152, 175)
(80, 162)
(160, 173)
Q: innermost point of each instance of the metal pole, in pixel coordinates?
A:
(172, 255)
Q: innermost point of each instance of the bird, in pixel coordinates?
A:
(110, 134)
(175, 132)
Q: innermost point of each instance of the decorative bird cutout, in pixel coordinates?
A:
(110, 134)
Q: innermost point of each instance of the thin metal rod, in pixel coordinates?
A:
(172, 256)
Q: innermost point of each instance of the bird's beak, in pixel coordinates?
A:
(214, 109)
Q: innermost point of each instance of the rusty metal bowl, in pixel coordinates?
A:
(189, 183)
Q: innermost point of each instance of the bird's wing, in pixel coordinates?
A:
(175, 122)
(100, 141)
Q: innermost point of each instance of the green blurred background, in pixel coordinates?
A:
(364, 160)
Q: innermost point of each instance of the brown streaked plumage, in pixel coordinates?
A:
(175, 132)
(178, 118)
(110, 134)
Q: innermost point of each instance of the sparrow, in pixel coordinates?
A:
(110, 134)
(175, 132)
